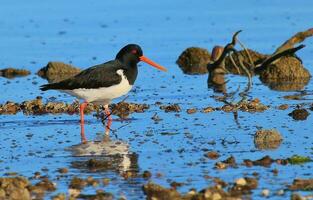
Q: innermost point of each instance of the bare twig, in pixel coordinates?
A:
(248, 54)
(234, 63)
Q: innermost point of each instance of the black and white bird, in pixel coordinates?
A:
(102, 83)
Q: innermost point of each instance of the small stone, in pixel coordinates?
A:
(63, 170)
(241, 182)
(265, 192)
(105, 181)
(283, 107)
(207, 109)
(191, 110)
(146, 174)
(280, 192)
(171, 108)
(212, 155)
(299, 114)
(194, 60)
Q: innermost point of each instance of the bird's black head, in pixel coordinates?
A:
(130, 54)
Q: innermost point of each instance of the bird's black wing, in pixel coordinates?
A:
(103, 75)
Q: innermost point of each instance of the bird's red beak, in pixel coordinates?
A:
(150, 62)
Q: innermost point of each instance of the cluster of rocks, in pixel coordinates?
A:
(265, 161)
(285, 73)
(19, 188)
(239, 189)
(37, 107)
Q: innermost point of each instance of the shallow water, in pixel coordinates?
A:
(84, 34)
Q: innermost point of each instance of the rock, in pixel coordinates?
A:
(207, 109)
(14, 188)
(299, 114)
(266, 161)
(157, 192)
(77, 183)
(265, 192)
(63, 170)
(57, 71)
(105, 181)
(267, 139)
(246, 106)
(100, 195)
(194, 60)
(283, 107)
(241, 182)
(12, 72)
(287, 68)
(302, 184)
(46, 185)
(286, 74)
(33, 106)
(176, 185)
(229, 162)
(246, 185)
(124, 109)
(280, 192)
(171, 108)
(60, 196)
(146, 174)
(191, 110)
(212, 155)
(9, 108)
(296, 196)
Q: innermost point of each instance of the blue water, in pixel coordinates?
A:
(32, 33)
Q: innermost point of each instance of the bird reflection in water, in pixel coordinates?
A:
(104, 155)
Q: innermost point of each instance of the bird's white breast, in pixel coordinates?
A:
(103, 95)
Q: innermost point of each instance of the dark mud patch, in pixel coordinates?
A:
(57, 71)
(194, 60)
(12, 72)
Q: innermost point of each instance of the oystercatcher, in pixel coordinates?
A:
(102, 83)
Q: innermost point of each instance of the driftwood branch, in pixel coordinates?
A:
(295, 39)
(287, 48)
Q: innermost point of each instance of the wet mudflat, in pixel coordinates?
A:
(183, 139)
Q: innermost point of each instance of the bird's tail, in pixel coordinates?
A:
(48, 86)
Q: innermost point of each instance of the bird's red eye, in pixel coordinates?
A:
(134, 51)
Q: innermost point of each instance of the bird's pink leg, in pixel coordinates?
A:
(108, 113)
(82, 122)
